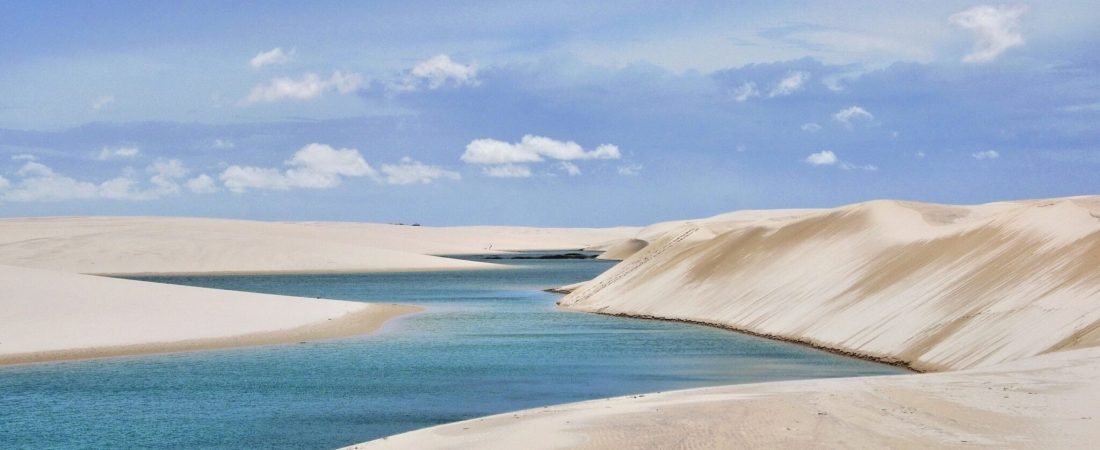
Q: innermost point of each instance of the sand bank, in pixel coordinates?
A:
(49, 315)
(1043, 402)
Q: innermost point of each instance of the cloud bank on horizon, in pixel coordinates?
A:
(620, 113)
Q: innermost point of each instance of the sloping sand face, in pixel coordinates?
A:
(50, 316)
(934, 287)
(1006, 294)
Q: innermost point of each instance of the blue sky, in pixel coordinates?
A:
(540, 113)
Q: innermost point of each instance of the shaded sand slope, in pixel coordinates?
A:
(936, 287)
(129, 245)
(1042, 402)
(48, 315)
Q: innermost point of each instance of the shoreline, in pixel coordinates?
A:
(886, 360)
(365, 321)
(989, 407)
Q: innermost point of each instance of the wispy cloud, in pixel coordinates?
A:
(308, 87)
(630, 170)
(437, 72)
(790, 84)
(508, 171)
(117, 152)
(996, 27)
(102, 102)
(852, 114)
(271, 57)
(865, 167)
(828, 158)
(409, 171)
(811, 127)
(987, 154)
(745, 91)
(569, 168)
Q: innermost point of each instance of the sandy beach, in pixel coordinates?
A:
(1003, 299)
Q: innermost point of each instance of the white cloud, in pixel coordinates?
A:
(492, 151)
(273, 56)
(811, 127)
(849, 115)
(202, 184)
(38, 182)
(24, 157)
(508, 171)
(165, 173)
(866, 167)
(919, 155)
(746, 91)
(988, 154)
(315, 166)
(118, 152)
(223, 144)
(790, 84)
(440, 70)
(828, 158)
(630, 169)
(409, 171)
(569, 168)
(532, 149)
(308, 87)
(4, 183)
(822, 158)
(996, 27)
(102, 102)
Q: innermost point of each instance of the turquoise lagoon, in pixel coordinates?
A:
(489, 342)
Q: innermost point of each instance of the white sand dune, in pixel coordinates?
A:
(935, 287)
(1007, 295)
(134, 245)
(49, 312)
(48, 315)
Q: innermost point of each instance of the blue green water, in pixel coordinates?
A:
(490, 342)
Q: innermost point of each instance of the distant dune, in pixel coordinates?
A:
(143, 245)
(1005, 295)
